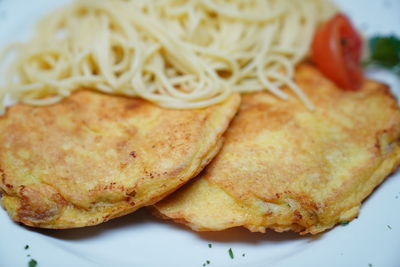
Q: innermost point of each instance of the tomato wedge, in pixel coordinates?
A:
(336, 50)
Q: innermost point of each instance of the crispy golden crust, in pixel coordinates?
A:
(94, 157)
(286, 168)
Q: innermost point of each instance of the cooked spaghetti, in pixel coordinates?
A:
(175, 53)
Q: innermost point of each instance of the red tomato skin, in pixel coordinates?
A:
(336, 50)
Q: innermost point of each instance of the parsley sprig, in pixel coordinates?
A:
(384, 51)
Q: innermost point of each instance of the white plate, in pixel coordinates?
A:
(141, 240)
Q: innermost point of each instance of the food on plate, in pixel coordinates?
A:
(177, 54)
(120, 103)
(93, 157)
(286, 168)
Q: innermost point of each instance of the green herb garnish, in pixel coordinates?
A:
(344, 223)
(243, 255)
(26, 247)
(208, 262)
(385, 52)
(32, 263)
(370, 265)
(231, 253)
(210, 245)
(388, 226)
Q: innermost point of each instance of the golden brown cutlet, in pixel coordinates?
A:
(94, 157)
(287, 168)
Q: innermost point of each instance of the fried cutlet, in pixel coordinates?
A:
(287, 168)
(94, 157)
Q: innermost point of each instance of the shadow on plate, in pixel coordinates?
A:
(241, 234)
(143, 217)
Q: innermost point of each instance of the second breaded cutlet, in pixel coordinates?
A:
(288, 168)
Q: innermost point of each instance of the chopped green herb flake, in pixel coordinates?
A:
(344, 223)
(289, 205)
(210, 245)
(243, 255)
(370, 265)
(204, 264)
(32, 263)
(26, 246)
(388, 226)
(208, 262)
(231, 253)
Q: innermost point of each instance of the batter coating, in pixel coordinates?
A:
(286, 168)
(94, 157)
